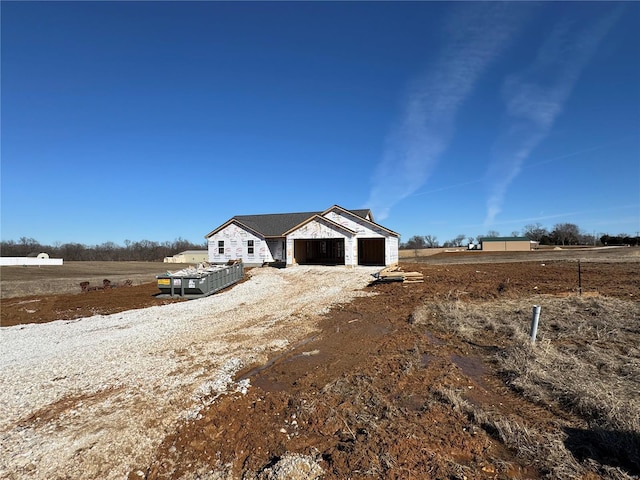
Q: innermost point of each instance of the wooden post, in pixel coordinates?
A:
(579, 279)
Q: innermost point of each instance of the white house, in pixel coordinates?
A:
(334, 237)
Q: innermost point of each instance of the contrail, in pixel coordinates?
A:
(476, 34)
(534, 164)
(536, 96)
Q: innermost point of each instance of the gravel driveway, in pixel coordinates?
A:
(92, 398)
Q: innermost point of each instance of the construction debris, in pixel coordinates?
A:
(394, 273)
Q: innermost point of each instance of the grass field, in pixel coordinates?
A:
(585, 362)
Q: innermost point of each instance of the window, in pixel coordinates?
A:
(250, 247)
(221, 247)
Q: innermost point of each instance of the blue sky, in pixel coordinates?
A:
(159, 120)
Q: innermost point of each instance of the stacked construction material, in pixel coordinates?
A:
(394, 273)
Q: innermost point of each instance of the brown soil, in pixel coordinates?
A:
(363, 396)
(46, 308)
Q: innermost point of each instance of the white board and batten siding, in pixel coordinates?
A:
(236, 244)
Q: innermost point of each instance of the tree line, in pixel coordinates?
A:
(143, 250)
(561, 234)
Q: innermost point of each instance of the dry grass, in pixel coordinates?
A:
(586, 362)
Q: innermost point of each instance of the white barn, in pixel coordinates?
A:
(336, 236)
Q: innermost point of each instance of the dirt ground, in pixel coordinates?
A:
(22, 281)
(53, 293)
(360, 397)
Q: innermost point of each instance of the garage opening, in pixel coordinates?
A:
(371, 251)
(328, 251)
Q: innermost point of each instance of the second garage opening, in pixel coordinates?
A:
(371, 251)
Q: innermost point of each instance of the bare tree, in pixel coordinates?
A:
(455, 242)
(415, 242)
(565, 234)
(431, 241)
(535, 231)
(587, 239)
(144, 250)
(29, 245)
(459, 240)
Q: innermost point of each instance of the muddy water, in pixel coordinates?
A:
(472, 367)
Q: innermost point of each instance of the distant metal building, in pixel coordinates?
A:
(507, 244)
(188, 256)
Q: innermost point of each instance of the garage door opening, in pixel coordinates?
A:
(329, 251)
(371, 251)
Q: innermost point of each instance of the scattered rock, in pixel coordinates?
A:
(293, 466)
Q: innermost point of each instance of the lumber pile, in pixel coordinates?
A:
(394, 273)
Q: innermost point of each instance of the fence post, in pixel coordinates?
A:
(579, 279)
(534, 322)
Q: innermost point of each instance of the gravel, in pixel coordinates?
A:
(93, 397)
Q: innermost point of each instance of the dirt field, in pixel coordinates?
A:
(392, 384)
(20, 281)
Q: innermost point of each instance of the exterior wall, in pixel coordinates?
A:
(236, 246)
(350, 251)
(523, 246)
(316, 230)
(506, 246)
(391, 250)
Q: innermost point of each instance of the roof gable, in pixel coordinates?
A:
(320, 218)
(278, 224)
(362, 214)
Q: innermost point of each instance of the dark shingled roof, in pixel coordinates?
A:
(276, 224)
